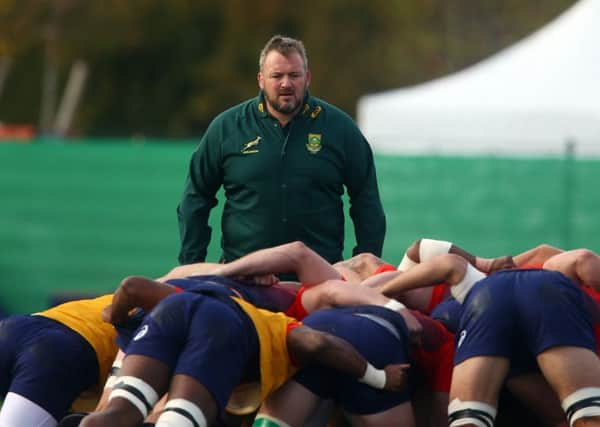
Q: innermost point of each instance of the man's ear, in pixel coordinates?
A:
(307, 78)
(261, 81)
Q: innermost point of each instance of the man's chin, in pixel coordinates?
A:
(286, 108)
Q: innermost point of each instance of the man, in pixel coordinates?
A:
(380, 336)
(513, 319)
(178, 350)
(283, 159)
(48, 359)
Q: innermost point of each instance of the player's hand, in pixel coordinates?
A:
(415, 329)
(501, 263)
(396, 376)
(107, 313)
(265, 280)
(110, 315)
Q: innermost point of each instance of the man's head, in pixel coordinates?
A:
(283, 76)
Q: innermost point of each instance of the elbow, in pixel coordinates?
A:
(298, 251)
(453, 267)
(131, 284)
(413, 250)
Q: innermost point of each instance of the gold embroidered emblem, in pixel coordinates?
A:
(261, 107)
(314, 143)
(249, 147)
(315, 112)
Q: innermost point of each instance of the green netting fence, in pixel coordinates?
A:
(77, 217)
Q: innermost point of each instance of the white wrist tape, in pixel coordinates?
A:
(374, 377)
(462, 288)
(394, 305)
(406, 263)
(429, 248)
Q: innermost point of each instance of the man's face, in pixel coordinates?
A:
(284, 82)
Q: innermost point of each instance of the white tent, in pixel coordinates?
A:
(529, 99)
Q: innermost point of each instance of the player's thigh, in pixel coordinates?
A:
(398, 415)
(568, 369)
(479, 379)
(292, 403)
(535, 393)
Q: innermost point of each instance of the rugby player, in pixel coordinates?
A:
(199, 346)
(48, 359)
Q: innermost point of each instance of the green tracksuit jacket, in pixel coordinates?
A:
(281, 185)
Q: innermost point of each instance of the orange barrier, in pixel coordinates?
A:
(20, 133)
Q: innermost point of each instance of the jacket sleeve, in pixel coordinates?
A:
(199, 197)
(366, 209)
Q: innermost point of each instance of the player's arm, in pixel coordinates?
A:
(295, 257)
(188, 270)
(308, 345)
(423, 250)
(337, 293)
(536, 256)
(449, 268)
(136, 291)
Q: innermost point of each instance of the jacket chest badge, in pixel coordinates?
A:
(314, 143)
(251, 147)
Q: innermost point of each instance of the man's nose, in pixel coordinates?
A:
(286, 81)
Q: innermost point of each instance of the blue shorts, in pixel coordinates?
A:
(518, 314)
(45, 362)
(448, 313)
(207, 338)
(378, 344)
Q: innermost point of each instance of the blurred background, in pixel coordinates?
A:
(103, 102)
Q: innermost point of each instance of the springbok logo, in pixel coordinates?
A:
(249, 147)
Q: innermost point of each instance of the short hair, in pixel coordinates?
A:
(285, 46)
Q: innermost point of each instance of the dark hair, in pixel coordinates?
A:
(285, 46)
